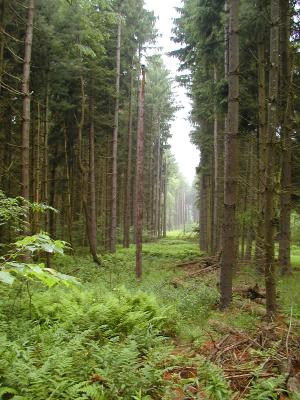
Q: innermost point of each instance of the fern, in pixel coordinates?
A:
(213, 381)
(76, 335)
(265, 389)
(6, 390)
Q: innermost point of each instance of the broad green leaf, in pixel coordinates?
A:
(6, 277)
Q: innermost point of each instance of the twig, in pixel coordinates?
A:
(218, 346)
(288, 334)
(232, 346)
(30, 298)
(188, 263)
(211, 338)
(265, 375)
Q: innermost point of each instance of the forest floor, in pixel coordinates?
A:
(165, 333)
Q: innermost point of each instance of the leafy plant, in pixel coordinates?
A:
(213, 381)
(13, 211)
(12, 268)
(265, 389)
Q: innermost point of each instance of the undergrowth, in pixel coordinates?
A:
(113, 338)
(82, 344)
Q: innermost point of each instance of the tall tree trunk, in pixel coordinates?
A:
(84, 179)
(212, 202)
(157, 184)
(2, 42)
(165, 199)
(251, 200)
(217, 178)
(46, 156)
(183, 212)
(107, 211)
(159, 213)
(127, 205)
(261, 154)
(228, 260)
(69, 203)
(92, 181)
(269, 177)
(26, 103)
(286, 128)
(139, 180)
(52, 194)
(204, 204)
(37, 178)
(113, 228)
(245, 222)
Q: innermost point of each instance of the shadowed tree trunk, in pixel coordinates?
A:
(52, 193)
(165, 200)
(261, 154)
(157, 184)
(2, 28)
(246, 197)
(69, 203)
(218, 187)
(113, 226)
(92, 182)
(37, 168)
(251, 200)
(26, 102)
(204, 204)
(286, 140)
(84, 174)
(228, 260)
(46, 156)
(127, 206)
(139, 180)
(269, 176)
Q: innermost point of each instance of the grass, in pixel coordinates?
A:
(197, 300)
(295, 258)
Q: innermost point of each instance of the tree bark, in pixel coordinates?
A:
(157, 197)
(269, 266)
(92, 182)
(139, 180)
(52, 194)
(113, 227)
(46, 156)
(127, 205)
(245, 222)
(2, 42)
(251, 200)
(286, 128)
(69, 203)
(261, 154)
(26, 103)
(228, 259)
(217, 178)
(165, 199)
(204, 205)
(37, 178)
(84, 180)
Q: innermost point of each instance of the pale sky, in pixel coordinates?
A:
(186, 154)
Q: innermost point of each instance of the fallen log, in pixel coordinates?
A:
(252, 293)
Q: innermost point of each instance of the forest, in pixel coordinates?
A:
(119, 279)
